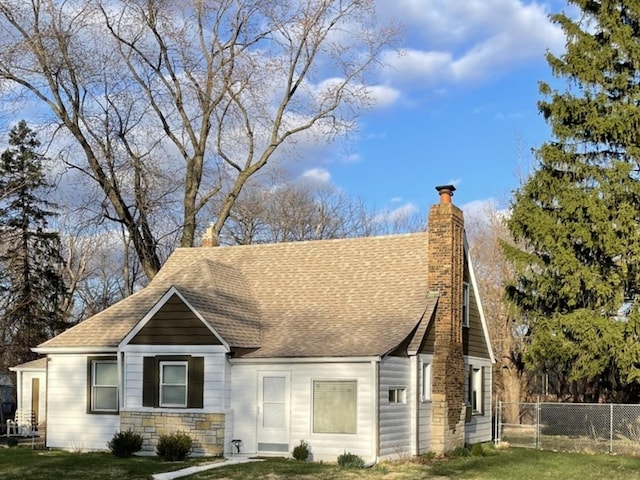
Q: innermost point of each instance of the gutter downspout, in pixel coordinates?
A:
(375, 421)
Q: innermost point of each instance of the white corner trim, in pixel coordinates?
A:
(159, 304)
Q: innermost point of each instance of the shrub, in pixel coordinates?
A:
(459, 452)
(301, 452)
(12, 442)
(125, 444)
(426, 458)
(350, 460)
(477, 450)
(382, 468)
(174, 447)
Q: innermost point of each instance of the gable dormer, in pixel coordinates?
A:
(173, 321)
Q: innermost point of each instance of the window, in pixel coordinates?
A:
(476, 377)
(426, 382)
(173, 382)
(334, 406)
(397, 395)
(465, 304)
(102, 385)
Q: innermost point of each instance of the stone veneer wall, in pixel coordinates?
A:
(206, 429)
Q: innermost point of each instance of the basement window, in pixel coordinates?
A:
(397, 395)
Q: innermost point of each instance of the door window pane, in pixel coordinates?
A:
(273, 402)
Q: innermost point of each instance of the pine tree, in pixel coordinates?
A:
(31, 283)
(576, 218)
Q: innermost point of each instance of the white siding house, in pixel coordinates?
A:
(68, 424)
(340, 343)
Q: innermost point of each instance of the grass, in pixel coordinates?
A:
(511, 464)
(21, 463)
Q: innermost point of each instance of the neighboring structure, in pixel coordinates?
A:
(375, 346)
(7, 400)
(31, 383)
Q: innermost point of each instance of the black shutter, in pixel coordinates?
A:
(150, 382)
(195, 396)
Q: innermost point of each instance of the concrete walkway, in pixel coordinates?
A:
(201, 468)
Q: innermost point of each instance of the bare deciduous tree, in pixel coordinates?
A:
(487, 231)
(167, 105)
(291, 211)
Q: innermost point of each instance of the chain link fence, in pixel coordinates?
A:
(570, 427)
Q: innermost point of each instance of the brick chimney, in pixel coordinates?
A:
(209, 239)
(446, 270)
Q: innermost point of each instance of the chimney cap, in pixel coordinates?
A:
(446, 192)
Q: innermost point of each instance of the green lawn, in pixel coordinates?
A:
(23, 463)
(512, 464)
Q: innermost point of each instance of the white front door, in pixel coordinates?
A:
(273, 412)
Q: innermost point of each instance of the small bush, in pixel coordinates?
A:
(459, 452)
(382, 468)
(174, 447)
(125, 444)
(477, 450)
(301, 452)
(426, 458)
(350, 460)
(12, 442)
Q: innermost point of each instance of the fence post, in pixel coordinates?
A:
(498, 419)
(611, 429)
(537, 440)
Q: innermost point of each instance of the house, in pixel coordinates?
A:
(375, 346)
(32, 388)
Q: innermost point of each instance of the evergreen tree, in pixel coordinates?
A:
(31, 282)
(576, 219)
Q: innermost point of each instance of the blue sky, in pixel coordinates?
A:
(463, 109)
(458, 105)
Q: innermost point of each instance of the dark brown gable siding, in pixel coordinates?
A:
(473, 341)
(175, 324)
(475, 344)
(430, 338)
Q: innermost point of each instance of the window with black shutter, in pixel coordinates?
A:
(173, 381)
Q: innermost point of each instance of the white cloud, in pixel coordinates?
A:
(316, 175)
(383, 95)
(480, 211)
(396, 215)
(468, 41)
(416, 65)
